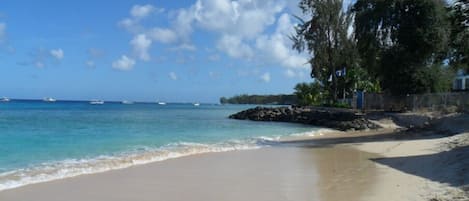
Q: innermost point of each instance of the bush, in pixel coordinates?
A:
(310, 93)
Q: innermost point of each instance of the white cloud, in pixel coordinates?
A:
(141, 11)
(3, 28)
(214, 57)
(215, 14)
(173, 76)
(90, 64)
(254, 30)
(124, 63)
(242, 25)
(42, 57)
(57, 54)
(265, 77)
(39, 64)
(298, 73)
(183, 23)
(162, 35)
(95, 53)
(141, 44)
(290, 73)
(277, 46)
(131, 25)
(212, 74)
(245, 19)
(137, 14)
(236, 22)
(184, 47)
(235, 47)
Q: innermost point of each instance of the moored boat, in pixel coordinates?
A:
(4, 99)
(126, 102)
(49, 99)
(96, 102)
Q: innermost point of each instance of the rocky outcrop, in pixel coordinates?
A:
(340, 119)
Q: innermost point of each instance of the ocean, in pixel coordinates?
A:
(43, 141)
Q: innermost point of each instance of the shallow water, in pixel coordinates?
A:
(42, 141)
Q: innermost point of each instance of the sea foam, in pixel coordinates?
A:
(143, 155)
(73, 167)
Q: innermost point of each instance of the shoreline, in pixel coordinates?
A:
(71, 168)
(371, 165)
(77, 167)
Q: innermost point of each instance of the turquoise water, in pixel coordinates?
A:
(42, 141)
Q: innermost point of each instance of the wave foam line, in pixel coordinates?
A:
(72, 167)
(75, 167)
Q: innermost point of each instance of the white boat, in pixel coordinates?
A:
(161, 103)
(49, 100)
(126, 102)
(196, 104)
(96, 102)
(5, 99)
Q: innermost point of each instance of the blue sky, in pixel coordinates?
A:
(181, 51)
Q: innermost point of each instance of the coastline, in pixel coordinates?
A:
(370, 165)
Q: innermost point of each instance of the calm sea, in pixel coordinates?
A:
(42, 141)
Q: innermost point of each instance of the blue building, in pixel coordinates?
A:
(461, 81)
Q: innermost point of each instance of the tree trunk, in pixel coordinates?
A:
(332, 66)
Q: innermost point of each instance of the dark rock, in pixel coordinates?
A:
(340, 119)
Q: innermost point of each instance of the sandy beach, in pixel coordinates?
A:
(374, 165)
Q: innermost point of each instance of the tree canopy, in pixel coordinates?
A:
(260, 99)
(325, 37)
(400, 40)
(459, 19)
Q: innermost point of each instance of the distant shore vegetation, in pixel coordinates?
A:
(261, 99)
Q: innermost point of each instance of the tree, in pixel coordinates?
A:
(400, 40)
(223, 100)
(459, 16)
(309, 93)
(325, 37)
(436, 78)
(359, 79)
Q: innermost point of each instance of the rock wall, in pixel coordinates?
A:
(339, 119)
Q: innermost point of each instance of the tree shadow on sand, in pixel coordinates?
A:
(451, 167)
(443, 127)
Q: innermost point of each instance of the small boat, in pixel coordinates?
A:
(161, 103)
(5, 99)
(49, 100)
(96, 102)
(197, 104)
(126, 102)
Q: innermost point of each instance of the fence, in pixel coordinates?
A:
(458, 101)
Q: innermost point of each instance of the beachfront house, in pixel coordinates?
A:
(461, 81)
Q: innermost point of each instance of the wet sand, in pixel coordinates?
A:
(280, 173)
(265, 174)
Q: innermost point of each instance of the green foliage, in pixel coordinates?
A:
(459, 17)
(223, 100)
(436, 78)
(398, 46)
(399, 41)
(260, 99)
(359, 79)
(325, 37)
(310, 93)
